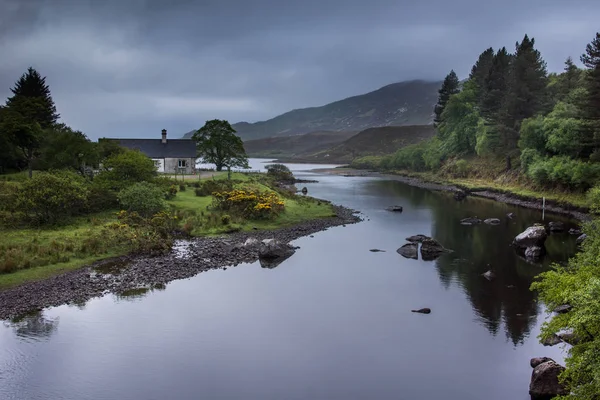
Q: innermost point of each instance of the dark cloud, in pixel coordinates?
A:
(131, 68)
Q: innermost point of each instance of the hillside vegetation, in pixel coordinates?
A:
(398, 104)
(295, 146)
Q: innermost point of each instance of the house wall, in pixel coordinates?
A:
(160, 164)
(171, 164)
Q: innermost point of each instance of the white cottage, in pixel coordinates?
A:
(169, 156)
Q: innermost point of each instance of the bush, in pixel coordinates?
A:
(143, 197)
(249, 204)
(171, 192)
(225, 219)
(210, 186)
(126, 168)
(367, 162)
(101, 198)
(458, 168)
(182, 188)
(47, 197)
(280, 172)
(564, 171)
(593, 197)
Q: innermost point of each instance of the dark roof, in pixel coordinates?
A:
(154, 148)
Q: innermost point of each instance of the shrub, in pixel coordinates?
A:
(171, 192)
(564, 171)
(126, 168)
(182, 188)
(49, 197)
(366, 162)
(101, 198)
(9, 192)
(210, 186)
(280, 172)
(249, 204)
(458, 168)
(593, 197)
(142, 197)
(225, 219)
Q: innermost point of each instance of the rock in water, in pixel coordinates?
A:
(377, 251)
(544, 381)
(417, 238)
(556, 226)
(574, 231)
(395, 208)
(489, 275)
(581, 238)
(565, 308)
(534, 362)
(551, 341)
(431, 249)
(272, 252)
(531, 242)
(409, 250)
(470, 221)
(492, 221)
(510, 215)
(422, 310)
(460, 195)
(304, 190)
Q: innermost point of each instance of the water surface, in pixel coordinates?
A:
(331, 322)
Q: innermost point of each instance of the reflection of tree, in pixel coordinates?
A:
(34, 325)
(505, 301)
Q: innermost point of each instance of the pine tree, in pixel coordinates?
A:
(495, 86)
(571, 75)
(32, 85)
(480, 70)
(449, 87)
(591, 105)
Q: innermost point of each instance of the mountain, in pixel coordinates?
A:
(296, 145)
(398, 104)
(370, 142)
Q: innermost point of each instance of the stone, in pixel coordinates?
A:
(581, 238)
(551, 341)
(510, 215)
(489, 275)
(304, 190)
(556, 226)
(422, 311)
(544, 381)
(562, 309)
(574, 231)
(492, 221)
(431, 249)
(409, 250)
(394, 208)
(417, 238)
(534, 253)
(531, 242)
(377, 251)
(470, 221)
(274, 250)
(534, 362)
(460, 195)
(569, 337)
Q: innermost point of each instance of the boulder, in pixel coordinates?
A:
(534, 362)
(551, 341)
(470, 221)
(531, 242)
(460, 195)
(544, 381)
(565, 308)
(569, 337)
(574, 231)
(431, 249)
(422, 311)
(534, 253)
(489, 275)
(556, 226)
(304, 190)
(492, 221)
(417, 238)
(394, 208)
(581, 238)
(272, 252)
(409, 250)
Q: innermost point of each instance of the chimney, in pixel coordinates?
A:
(164, 136)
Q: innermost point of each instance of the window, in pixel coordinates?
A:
(182, 164)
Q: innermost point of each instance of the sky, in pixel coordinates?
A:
(129, 68)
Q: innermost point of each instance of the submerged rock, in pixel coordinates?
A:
(409, 250)
(395, 208)
(531, 242)
(470, 221)
(422, 310)
(544, 380)
(431, 249)
(492, 221)
(556, 226)
(489, 275)
(417, 238)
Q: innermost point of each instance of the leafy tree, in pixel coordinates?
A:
(124, 169)
(32, 85)
(459, 121)
(218, 144)
(142, 197)
(279, 172)
(63, 147)
(449, 87)
(591, 105)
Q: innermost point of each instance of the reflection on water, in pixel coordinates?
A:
(33, 326)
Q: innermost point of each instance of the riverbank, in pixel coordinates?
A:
(476, 189)
(123, 275)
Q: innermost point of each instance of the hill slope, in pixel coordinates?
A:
(398, 104)
(296, 145)
(370, 142)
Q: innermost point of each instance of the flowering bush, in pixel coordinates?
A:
(249, 204)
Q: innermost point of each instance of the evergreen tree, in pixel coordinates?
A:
(449, 87)
(571, 75)
(33, 85)
(591, 105)
(495, 86)
(481, 69)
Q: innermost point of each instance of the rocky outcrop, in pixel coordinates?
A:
(431, 249)
(531, 242)
(417, 238)
(272, 252)
(409, 250)
(394, 208)
(422, 311)
(556, 226)
(544, 379)
(470, 221)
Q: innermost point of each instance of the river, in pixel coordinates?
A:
(331, 322)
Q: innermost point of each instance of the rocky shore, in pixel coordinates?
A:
(124, 274)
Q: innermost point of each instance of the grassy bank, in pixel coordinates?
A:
(30, 254)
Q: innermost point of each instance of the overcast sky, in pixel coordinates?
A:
(128, 68)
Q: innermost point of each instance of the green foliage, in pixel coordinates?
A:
(533, 136)
(279, 172)
(210, 186)
(142, 197)
(590, 107)
(218, 144)
(459, 122)
(371, 162)
(593, 198)
(48, 198)
(562, 171)
(126, 168)
(62, 147)
(577, 284)
(450, 86)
